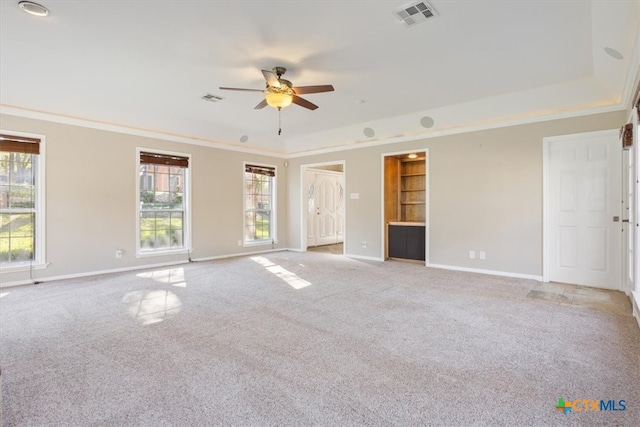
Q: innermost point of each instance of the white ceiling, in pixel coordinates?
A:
(145, 65)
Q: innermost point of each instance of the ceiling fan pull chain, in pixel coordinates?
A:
(279, 122)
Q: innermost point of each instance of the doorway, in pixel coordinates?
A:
(405, 207)
(582, 214)
(323, 210)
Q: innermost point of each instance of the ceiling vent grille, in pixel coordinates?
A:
(415, 13)
(212, 98)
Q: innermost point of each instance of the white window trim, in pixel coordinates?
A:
(39, 261)
(274, 214)
(186, 240)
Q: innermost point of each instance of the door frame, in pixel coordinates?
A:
(383, 240)
(546, 232)
(629, 229)
(303, 202)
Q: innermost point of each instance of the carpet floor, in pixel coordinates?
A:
(309, 339)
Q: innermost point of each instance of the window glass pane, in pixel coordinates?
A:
(162, 206)
(4, 162)
(147, 240)
(17, 240)
(17, 202)
(22, 196)
(162, 221)
(258, 206)
(20, 171)
(176, 236)
(4, 248)
(263, 225)
(20, 224)
(4, 196)
(311, 199)
(21, 249)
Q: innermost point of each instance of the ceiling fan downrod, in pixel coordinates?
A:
(279, 71)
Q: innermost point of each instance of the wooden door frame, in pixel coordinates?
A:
(546, 232)
(303, 201)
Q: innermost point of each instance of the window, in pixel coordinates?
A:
(163, 203)
(259, 197)
(21, 193)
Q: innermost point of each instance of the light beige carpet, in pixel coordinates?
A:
(308, 339)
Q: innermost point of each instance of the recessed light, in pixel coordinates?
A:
(368, 132)
(33, 8)
(244, 138)
(613, 53)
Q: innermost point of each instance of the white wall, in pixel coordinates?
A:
(485, 194)
(91, 201)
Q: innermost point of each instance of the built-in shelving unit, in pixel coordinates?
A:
(405, 202)
(412, 190)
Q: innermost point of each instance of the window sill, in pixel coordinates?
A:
(182, 251)
(260, 243)
(7, 268)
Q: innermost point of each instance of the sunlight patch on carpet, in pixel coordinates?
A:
(291, 278)
(3, 294)
(152, 306)
(171, 276)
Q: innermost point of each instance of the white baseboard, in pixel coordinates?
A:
(90, 273)
(490, 272)
(366, 258)
(125, 269)
(213, 258)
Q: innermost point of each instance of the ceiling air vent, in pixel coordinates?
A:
(415, 13)
(212, 98)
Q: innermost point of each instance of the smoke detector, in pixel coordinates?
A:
(415, 13)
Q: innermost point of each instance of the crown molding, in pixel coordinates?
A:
(77, 121)
(461, 129)
(130, 130)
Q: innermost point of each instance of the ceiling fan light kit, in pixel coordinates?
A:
(279, 100)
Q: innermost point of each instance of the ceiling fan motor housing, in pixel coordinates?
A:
(279, 71)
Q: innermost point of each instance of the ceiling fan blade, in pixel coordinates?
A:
(304, 103)
(242, 89)
(261, 105)
(272, 79)
(300, 90)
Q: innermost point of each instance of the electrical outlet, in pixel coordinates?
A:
(472, 254)
(118, 253)
(483, 255)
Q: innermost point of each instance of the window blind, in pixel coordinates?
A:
(260, 170)
(19, 144)
(163, 159)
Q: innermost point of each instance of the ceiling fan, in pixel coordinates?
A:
(281, 93)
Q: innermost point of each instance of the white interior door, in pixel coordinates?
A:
(310, 217)
(584, 199)
(325, 207)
